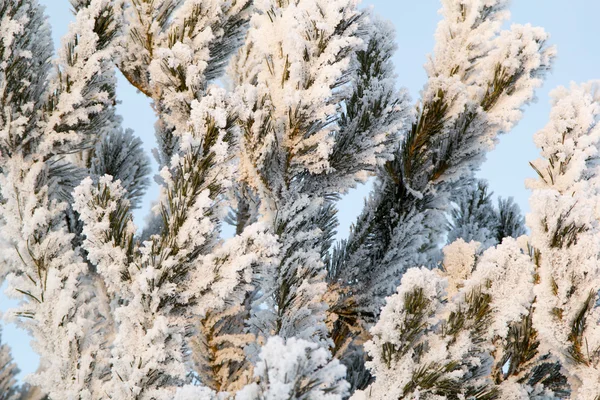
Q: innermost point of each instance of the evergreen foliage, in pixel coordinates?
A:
(120, 155)
(480, 78)
(269, 111)
(298, 155)
(475, 218)
(563, 226)
(532, 301)
(8, 371)
(9, 390)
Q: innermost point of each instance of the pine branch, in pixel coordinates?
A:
(400, 226)
(567, 288)
(120, 155)
(60, 117)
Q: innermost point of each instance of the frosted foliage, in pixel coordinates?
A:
(527, 303)
(308, 110)
(319, 113)
(490, 93)
(221, 278)
(221, 352)
(519, 50)
(184, 59)
(179, 34)
(105, 254)
(480, 78)
(50, 273)
(237, 257)
(184, 273)
(24, 71)
(474, 218)
(173, 49)
(298, 71)
(71, 302)
(291, 76)
(151, 337)
(376, 114)
(83, 92)
(190, 392)
(298, 369)
(430, 343)
(510, 220)
(564, 229)
(120, 155)
(8, 371)
(64, 304)
(159, 281)
(465, 34)
(504, 82)
(433, 287)
(506, 273)
(501, 289)
(396, 324)
(459, 262)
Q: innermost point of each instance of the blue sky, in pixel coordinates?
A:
(574, 29)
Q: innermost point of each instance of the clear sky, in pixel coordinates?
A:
(575, 31)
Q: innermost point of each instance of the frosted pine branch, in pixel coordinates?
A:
(61, 306)
(563, 225)
(463, 110)
(290, 100)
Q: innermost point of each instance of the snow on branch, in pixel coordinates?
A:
(81, 99)
(476, 90)
(564, 231)
(293, 87)
(298, 369)
(62, 305)
(475, 341)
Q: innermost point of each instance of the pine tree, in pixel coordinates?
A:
(9, 390)
(464, 104)
(474, 218)
(267, 113)
(173, 49)
(295, 369)
(511, 221)
(120, 155)
(45, 126)
(463, 333)
(198, 135)
(177, 274)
